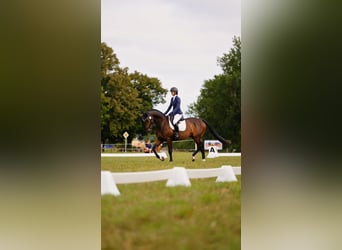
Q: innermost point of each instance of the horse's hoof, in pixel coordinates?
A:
(162, 158)
(203, 160)
(193, 159)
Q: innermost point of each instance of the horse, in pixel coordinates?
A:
(195, 129)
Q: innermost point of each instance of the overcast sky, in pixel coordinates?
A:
(176, 41)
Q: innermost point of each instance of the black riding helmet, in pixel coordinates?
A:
(174, 89)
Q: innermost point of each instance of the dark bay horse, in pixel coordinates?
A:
(195, 129)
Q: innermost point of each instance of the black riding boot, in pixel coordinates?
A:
(176, 132)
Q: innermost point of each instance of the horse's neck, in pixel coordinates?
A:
(160, 118)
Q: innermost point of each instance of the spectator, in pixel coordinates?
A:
(148, 147)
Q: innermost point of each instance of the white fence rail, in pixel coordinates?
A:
(175, 177)
(132, 154)
(210, 155)
(138, 177)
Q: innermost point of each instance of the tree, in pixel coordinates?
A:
(220, 98)
(124, 96)
(150, 92)
(120, 105)
(150, 89)
(231, 62)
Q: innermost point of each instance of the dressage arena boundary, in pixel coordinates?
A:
(132, 154)
(210, 155)
(177, 176)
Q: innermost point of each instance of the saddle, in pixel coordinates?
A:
(181, 123)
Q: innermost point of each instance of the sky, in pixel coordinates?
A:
(176, 41)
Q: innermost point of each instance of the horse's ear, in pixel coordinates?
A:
(145, 115)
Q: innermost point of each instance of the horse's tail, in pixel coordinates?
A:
(213, 131)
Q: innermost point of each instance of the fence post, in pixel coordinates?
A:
(178, 177)
(108, 185)
(227, 174)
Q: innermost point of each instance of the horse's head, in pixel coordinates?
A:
(148, 121)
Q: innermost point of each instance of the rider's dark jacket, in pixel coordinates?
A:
(175, 105)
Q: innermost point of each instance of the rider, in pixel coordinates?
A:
(177, 113)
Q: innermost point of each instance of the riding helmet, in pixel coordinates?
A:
(174, 89)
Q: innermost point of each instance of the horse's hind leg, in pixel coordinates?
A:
(202, 151)
(198, 143)
(194, 154)
(169, 145)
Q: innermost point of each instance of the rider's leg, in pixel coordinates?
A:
(176, 132)
(175, 124)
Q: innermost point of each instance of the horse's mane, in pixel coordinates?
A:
(161, 113)
(158, 111)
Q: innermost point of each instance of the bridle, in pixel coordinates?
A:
(148, 117)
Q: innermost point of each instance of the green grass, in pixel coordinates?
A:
(153, 216)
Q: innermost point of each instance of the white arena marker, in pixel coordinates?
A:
(178, 177)
(237, 170)
(227, 174)
(108, 185)
(212, 152)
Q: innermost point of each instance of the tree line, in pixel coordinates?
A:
(219, 101)
(125, 96)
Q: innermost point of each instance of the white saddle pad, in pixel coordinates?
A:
(181, 125)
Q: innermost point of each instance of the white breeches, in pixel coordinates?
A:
(176, 118)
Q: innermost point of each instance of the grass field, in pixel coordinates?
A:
(153, 216)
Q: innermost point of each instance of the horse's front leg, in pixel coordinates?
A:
(156, 144)
(169, 146)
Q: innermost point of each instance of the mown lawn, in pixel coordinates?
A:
(153, 216)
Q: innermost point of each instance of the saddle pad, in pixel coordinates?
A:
(181, 125)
